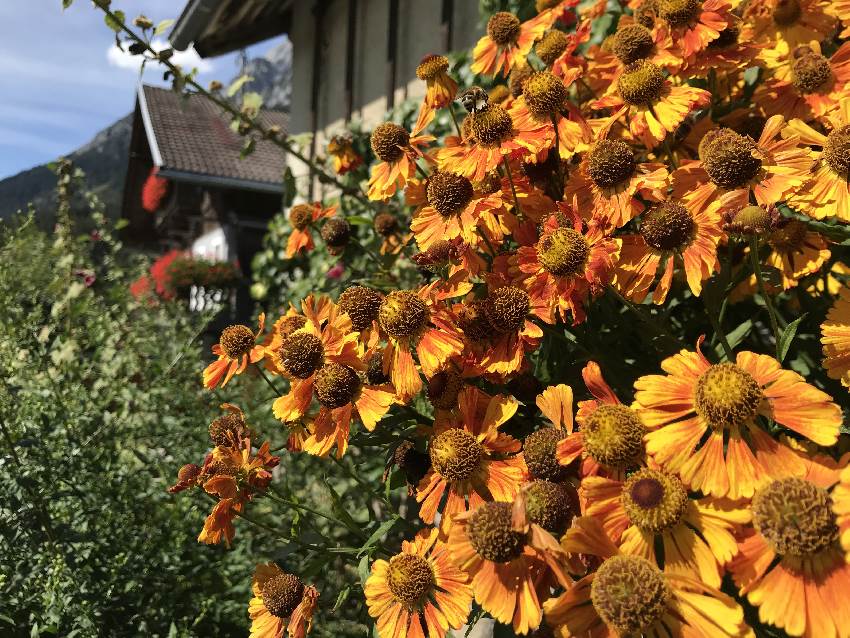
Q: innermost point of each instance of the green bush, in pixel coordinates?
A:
(98, 395)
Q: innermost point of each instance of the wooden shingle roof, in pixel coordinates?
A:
(191, 140)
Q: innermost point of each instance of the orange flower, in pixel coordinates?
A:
(566, 265)
(841, 508)
(826, 192)
(419, 591)
(345, 158)
(450, 209)
(652, 509)
(628, 595)
(490, 136)
(610, 441)
(280, 603)
(841, 10)
(704, 420)
(418, 321)
(511, 564)
(734, 167)
(609, 180)
(233, 475)
(506, 44)
(440, 87)
(733, 50)
(544, 99)
(326, 337)
(692, 25)
(790, 563)
(806, 85)
(835, 337)
(471, 461)
(498, 329)
(684, 231)
(786, 24)
(235, 348)
(303, 218)
(398, 152)
(653, 106)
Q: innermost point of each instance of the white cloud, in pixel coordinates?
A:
(188, 59)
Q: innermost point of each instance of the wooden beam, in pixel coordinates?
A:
(392, 53)
(447, 23)
(351, 38)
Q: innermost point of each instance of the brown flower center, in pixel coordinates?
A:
(361, 304)
(388, 141)
(544, 94)
(654, 501)
(503, 28)
(403, 314)
(728, 159)
(225, 429)
(443, 389)
(448, 192)
(632, 42)
(668, 226)
(641, 83)
(519, 74)
(629, 593)
(300, 216)
(810, 73)
(787, 12)
(410, 579)
(385, 224)
(795, 517)
(492, 126)
(727, 396)
(455, 454)
(563, 252)
(431, 66)
(728, 37)
(336, 232)
(751, 219)
(539, 450)
(678, 12)
(836, 151)
(613, 436)
(291, 324)
(472, 319)
(552, 46)
(551, 506)
(506, 308)
(336, 385)
(301, 354)
(491, 534)
(610, 162)
(236, 341)
(282, 594)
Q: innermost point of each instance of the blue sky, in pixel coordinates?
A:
(59, 83)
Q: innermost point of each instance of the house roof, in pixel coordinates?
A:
(191, 140)
(220, 26)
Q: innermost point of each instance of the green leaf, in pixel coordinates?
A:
(122, 223)
(343, 596)
(359, 220)
(788, 336)
(162, 26)
(67, 3)
(363, 569)
(115, 23)
(379, 533)
(736, 336)
(339, 509)
(248, 148)
(237, 84)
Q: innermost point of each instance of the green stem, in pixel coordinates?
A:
(252, 124)
(277, 392)
(558, 157)
(454, 119)
(513, 188)
(756, 261)
(718, 331)
(647, 321)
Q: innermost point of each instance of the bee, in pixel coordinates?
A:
(474, 99)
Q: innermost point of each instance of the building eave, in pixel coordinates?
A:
(219, 181)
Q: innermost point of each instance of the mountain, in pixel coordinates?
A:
(104, 158)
